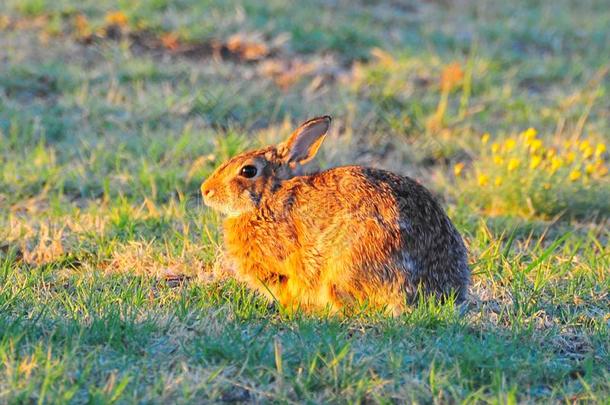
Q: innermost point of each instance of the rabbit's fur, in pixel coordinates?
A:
(334, 239)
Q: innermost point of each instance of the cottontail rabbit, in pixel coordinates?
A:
(345, 236)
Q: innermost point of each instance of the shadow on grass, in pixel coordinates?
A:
(98, 322)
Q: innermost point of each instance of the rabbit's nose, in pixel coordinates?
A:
(206, 191)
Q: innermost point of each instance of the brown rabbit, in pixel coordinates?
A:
(342, 237)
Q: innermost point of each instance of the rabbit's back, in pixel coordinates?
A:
(431, 252)
(387, 229)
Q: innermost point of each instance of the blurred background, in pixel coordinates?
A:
(142, 99)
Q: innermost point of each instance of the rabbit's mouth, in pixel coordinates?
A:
(210, 198)
(223, 208)
(213, 204)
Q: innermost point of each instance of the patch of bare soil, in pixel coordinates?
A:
(236, 48)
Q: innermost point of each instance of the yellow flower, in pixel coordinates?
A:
(589, 168)
(513, 164)
(485, 138)
(556, 163)
(529, 135)
(584, 145)
(483, 180)
(570, 156)
(531, 132)
(587, 152)
(535, 145)
(495, 148)
(510, 144)
(600, 149)
(498, 160)
(457, 169)
(551, 152)
(535, 162)
(575, 175)
(498, 181)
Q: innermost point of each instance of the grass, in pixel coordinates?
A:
(525, 177)
(112, 113)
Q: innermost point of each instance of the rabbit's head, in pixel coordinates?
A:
(239, 184)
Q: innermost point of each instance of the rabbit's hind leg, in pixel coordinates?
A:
(329, 299)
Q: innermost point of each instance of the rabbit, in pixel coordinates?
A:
(336, 239)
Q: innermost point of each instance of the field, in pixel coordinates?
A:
(112, 113)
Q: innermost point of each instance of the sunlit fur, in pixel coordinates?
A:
(336, 239)
(234, 195)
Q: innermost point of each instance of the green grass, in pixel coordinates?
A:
(108, 288)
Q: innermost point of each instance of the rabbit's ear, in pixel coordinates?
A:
(305, 141)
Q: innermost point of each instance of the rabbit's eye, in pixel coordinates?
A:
(248, 171)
